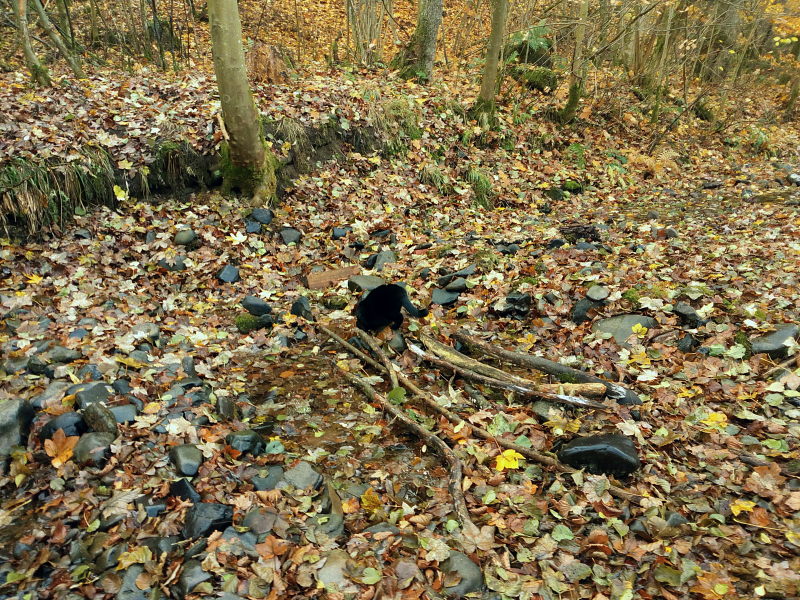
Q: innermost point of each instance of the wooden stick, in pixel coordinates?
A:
(785, 364)
(456, 472)
(613, 390)
(513, 387)
(376, 348)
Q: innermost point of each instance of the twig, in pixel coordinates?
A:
(430, 402)
(375, 347)
(358, 353)
(613, 390)
(433, 440)
(785, 364)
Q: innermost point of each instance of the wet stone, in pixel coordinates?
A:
(465, 272)
(186, 237)
(150, 506)
(16, 416)
(124, 413)
(303, 476)
(60, 354)
(688, 315)
(256, 306)
(246, 442)
(252, 226)
(183, 488)
(774, 343)
(610, 454)
(161, 545)
(70, 422)
(290, 235)
(93, 448)
(364, 283)
(187, 459)
(51, 396)
(228, 274)
(338, 233)
(270, 482)
(621, 326)
(91, 372)
(90, 393)
(99, 418)
(16, 365)
(192, 576)
(205, 517)
(469, 576)
(262, 215)
(122, 386)
(458, 285)
(443, 297)
(302, 308)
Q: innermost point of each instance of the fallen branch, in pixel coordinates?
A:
(497, 383)
(456, 471)
(789, 363)
(613, 390)
(428, 400)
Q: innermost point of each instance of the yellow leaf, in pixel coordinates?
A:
(34, 279)
(739, 506)
(370, 501)
(508, 459)
(125, 164)
(142, 554)
(716, 419)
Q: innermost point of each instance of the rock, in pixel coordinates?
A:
(173, 264)
(384, 258)
(465, 575)
(252, 226)
(100, 418)
(580, 312)
(90, 393)
(124, 413)
(465, 272)
(364, 283)
(514, 305)
(62, 355)
(256, 306)
(82, 234)
(187, 459)
(652, 215)
(246, 441)
(610, 454)
(331, 525)
(303, 476)
(302, 308)
(16, 365)
(192, 576)
(556, 243)
(265, 484)
(226, 407)
(338, 233)
(774, 343)
(290, 235)
(397, 343)
(129, 590)
(443, 297)
(333, 576)
(508, 249)
(555, 194)
(711, 184)
(621, 326)
(146, 331)
(794, 178)
(71, 423)
(247, 323)
(186, 237)
(78, 334)
(688, 315)
(458, 285)
(687, 343)
(51, 396)
(16, 416)
(161, 545)
(37, 366)
(598, 293)
(150, 506)
(262, 215)
(183, 488)
(92, 448)
(228, 274)
(260, 520)
(335, 302)
(91, 372)
(205, 517)
(670, 233)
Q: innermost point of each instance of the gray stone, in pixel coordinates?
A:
(129, 590)
(146, 331)
(228, 274)
(192, 576)
(688, 315)
(270, 482)
(51, 396)
(612, 454)
(794, 178)
(443, 297)
(598, 293)
(465, 272)
(91, 372)
(458, 285)
(364, 283)
(60, 354)
(290, 235)
(256, 306)
(161, 545)
(109, 557)
(205, 517)
(302, 308)
(16, 416)
(124, 413)
(246, 441)
(182, 488)
(303, 476)
(459, 565)
(384, 258)
(187, 459)
(621, 326)
(252, 226)
(260, 520)
(71, 423)
(141, 356)
(174, 264)
(90, 393)
(92, 448)
(331, 525)
(397, 343)
(100, 418)
(687, 343)
(262, 215)
(774, 343)
(16, 365)
(186, 237)
(333, 573)
(580, 312)
(338, 233)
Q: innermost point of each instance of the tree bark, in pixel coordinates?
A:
(486, 97)
(38, 71)
(247, 166)
(71, 58)
(416, 59)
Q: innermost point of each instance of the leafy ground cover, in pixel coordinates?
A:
(304, 487)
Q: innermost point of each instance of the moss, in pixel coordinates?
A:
(247, 323)
(481, 186)
(536, 78)
(567, 378)
(703, 112)
(431, 174)
(572, 186)
(632, 295)
(249, 180)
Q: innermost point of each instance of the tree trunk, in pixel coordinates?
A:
(416, 59)
(578, 70)
(247, 166)
(489, 82)
(72, 59)
(38, 71)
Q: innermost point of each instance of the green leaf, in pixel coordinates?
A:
(451, 525)
(93, 526)
(561, 533)
(668, 575)
(15, 576)
(489, 497)
(370, 576)
(397, 395)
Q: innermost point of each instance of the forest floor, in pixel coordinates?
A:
(339, 500)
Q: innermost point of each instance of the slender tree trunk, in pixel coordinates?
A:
(38, 71)
(661, 72)
(416, 59)
(486, 97)
(578, 69)
(72, 59)
(247, 166)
